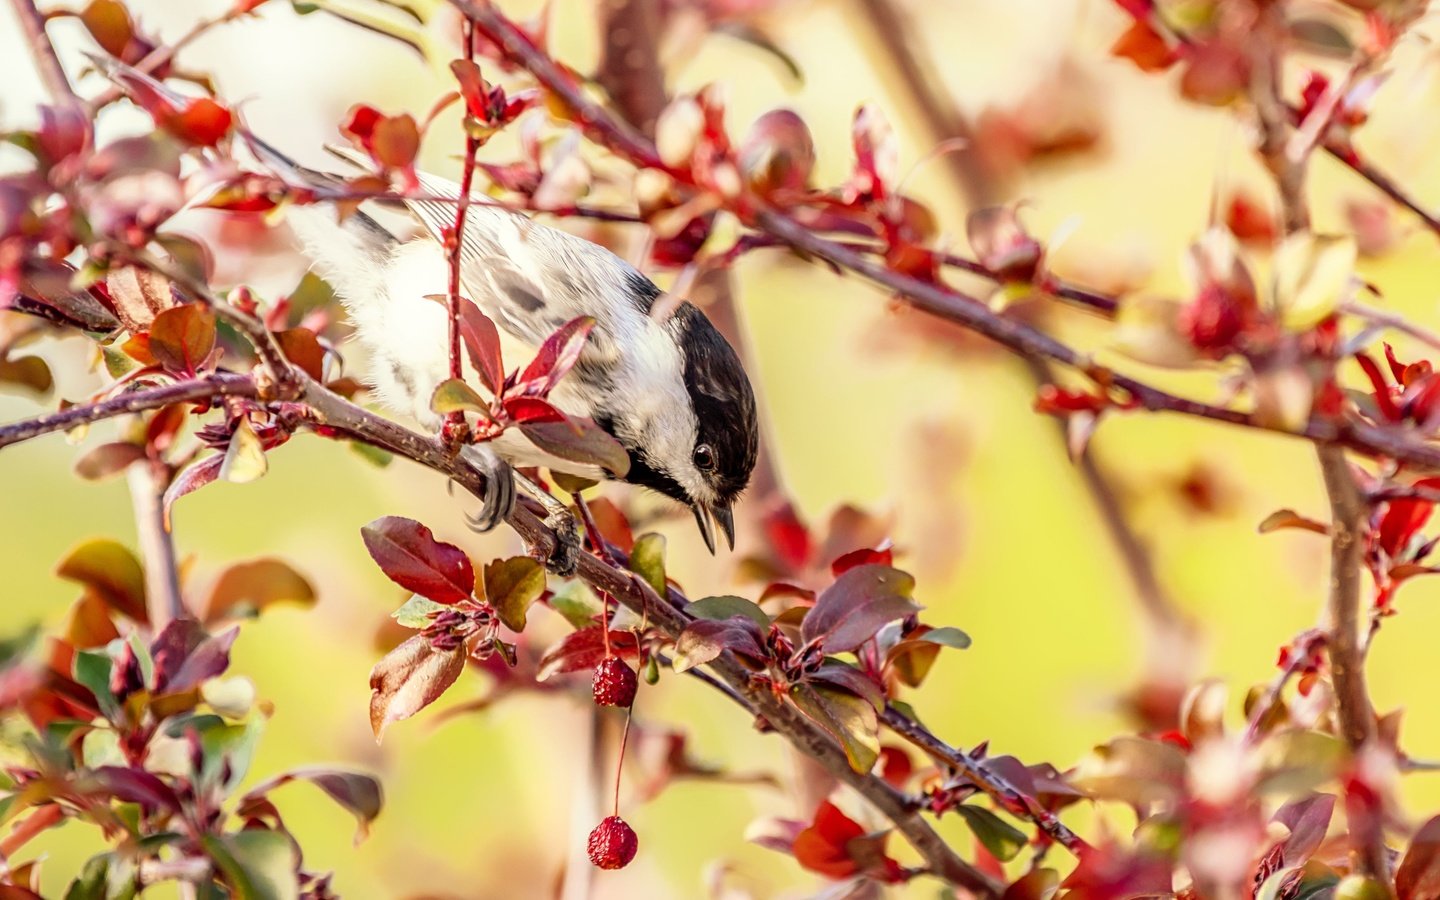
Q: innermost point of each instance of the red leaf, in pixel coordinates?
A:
(821, 847)
(208, 659)
(856, 606)
(482, 343)
(360, 122)
(556, 356)
(395, 140)
(409, 554)
(1145, 47)
(202, 123)
(192, 479)
(172, 646)
(183, 337)
(582, 650)
(135, 786)
(579, 440)
(532, 409)
(859, 558)
(472, 87)
(1418, 877)
(1403, 518)
(302, 348)
(788, 537)
(108, 459)
(410, 678)
(705, 639)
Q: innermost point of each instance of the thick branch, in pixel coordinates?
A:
(157, 548)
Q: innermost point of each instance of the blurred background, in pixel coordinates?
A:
(863, 406)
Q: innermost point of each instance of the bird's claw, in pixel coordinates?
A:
(499, 499)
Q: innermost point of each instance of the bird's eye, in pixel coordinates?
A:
(704, 457)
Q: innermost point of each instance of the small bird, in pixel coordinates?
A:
(656, 376)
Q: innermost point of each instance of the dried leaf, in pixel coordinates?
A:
(183, 337)
(246, 589)
(107, 460)
(849, 719)
(410, 678)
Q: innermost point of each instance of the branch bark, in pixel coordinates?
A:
(157, 547)
(47, 62)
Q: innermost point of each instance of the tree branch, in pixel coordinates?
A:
(199, 390)
(903, 53)
(147, 480)
(47, 63)
(930, 297)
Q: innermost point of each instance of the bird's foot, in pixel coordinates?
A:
(499, 499)
(565, 553)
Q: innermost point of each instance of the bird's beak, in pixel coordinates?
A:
(726, 518)
(707, 528)
(707, 516)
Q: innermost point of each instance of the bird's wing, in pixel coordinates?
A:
(529, 278)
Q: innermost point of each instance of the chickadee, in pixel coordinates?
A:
(658, 377)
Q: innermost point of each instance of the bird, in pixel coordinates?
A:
(656, 375)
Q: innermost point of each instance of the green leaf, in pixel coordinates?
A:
(848, 718)
(647, 559)
(512, 585)
(1003, 840)
(415, 613)
(228, 751)
(92, 670)
(725, 607)
(112, 571)
(455, 395)
(257, 864)
(947, 637)
(1314, 274)
(373, 455)
(576, 602)
(93, 880)
(101, 747)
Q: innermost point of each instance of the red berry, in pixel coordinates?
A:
(613, 843)
(614, 683)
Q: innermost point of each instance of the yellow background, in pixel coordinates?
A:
(1003, 537)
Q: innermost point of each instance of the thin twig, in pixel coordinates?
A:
(995, 785)
(47, 62)
(199, 390)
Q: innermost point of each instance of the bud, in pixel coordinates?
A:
(64, 132)
(778, 154)
(677, 131)
(125, 676)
